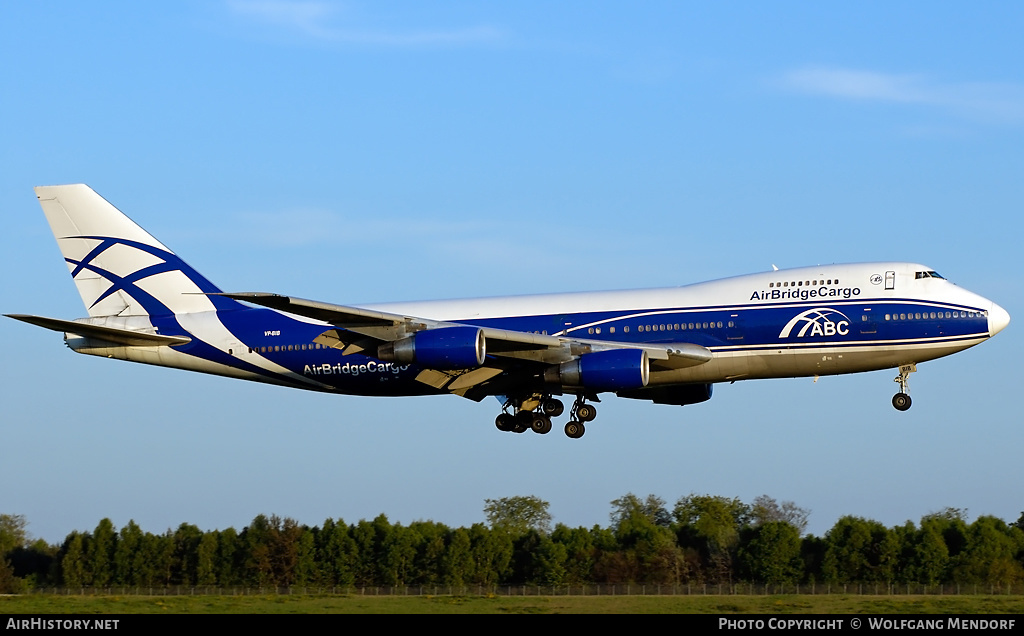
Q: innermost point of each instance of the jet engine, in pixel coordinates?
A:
(442, 348)
(613, 370)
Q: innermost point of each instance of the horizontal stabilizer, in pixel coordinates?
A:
(125, 337)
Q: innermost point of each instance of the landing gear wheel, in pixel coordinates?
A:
(504, 422)
(522, 422)
(552, 407)
(575, 429)
(901, 401)
(540, 424)
(586, 413)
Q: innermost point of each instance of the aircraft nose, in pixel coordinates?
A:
(998, 318)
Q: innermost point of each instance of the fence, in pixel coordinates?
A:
(621, 589)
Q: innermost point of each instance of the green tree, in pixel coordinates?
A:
(185, 566)
(398, 555)
(100, 553)
(629, 506)
(991, 555)
(206, 559)
(518, 515)
(74, 571)
(923, 555)
(338, 553)
(126, 565)
(491, 553)
(13, 536)
(711, 525)
(229, 554)
(13, 533)
(457, 564)
(859, 550)
(256, 539)
(770, 552)
(580, 553)
(430, 551)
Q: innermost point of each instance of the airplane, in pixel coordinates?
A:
(667, 346)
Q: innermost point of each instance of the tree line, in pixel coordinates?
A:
(701, 539)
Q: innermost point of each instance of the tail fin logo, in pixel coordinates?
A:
(142, 283)
(820, 321)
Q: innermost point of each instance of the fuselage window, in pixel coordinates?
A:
(626, 329)
(691, 326)
(887, 316)
(903, 316)
(610, 330)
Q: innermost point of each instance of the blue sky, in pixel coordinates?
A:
(360, 152)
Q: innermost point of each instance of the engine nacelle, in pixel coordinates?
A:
(614, 370)
(443, 348)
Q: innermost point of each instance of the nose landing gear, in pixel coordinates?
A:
(901, 401)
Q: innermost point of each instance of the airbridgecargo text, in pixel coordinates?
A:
(806, 294)
(354, 369)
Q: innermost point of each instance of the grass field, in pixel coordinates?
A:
(324, 604)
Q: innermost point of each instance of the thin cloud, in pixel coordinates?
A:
(320, 20)
(989, 102)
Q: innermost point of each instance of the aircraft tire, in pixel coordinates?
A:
(586, 413)
(504, 422)
(553, 407)
(574, 429)
(523, 422)
(541, 424)
(901, 401)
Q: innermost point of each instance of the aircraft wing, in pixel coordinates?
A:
(127, 337)
(360, 330)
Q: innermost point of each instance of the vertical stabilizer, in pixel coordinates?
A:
(119, 268)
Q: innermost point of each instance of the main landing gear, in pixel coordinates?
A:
(902, 399)
(535, 414)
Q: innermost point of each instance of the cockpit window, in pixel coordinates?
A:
(933, 274)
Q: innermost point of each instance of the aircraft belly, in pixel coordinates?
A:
(787, 363)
